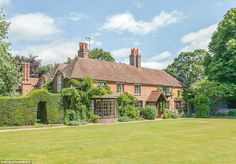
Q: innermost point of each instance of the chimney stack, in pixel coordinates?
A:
(26, 71)
(135, 58)
(83, 50)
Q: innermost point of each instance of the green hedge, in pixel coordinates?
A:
(149, 112)
(22, 110)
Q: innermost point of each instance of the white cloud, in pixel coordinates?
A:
(199, 39)
(33, 26)
(159, 61)
(77, 16)
(125, 22)
(54, 52)
(161, 57)
(137, 4)
(4, 3)
(121, 53)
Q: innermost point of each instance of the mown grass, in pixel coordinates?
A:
(165, 141)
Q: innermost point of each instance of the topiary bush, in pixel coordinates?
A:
(149, 112)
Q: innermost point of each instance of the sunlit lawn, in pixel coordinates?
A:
(165, 141)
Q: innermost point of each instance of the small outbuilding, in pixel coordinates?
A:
(105, 106)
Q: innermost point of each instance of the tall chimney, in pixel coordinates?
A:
(135, 58)
(83, 50)
(26, 71)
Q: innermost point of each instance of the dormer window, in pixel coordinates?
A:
(59, 82)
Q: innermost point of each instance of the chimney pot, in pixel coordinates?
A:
(135, 58)
(84, 50)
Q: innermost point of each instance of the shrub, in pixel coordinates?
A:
(22, 110)
(125, 119)
(175, 115)
(94, 118)
(126, 106)
(202, 110)
(76, 123)
(221, 114)
(149, 112)
(167, 114)
(232, 112)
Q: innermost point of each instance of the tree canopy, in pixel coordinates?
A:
(100, 54)
(9, 67)
(188, 66)
(221, 64)
(34, 64)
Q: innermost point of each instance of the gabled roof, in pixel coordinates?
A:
(50, 75)
(155, 95)
(116, 72)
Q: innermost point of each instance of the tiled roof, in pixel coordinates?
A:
(153, 97)
(50, 75)
(116, 72)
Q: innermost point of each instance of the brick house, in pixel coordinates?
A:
(132, 78)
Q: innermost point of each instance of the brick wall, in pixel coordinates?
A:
(145, 91)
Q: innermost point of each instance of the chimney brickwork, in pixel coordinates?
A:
(135, 58)
(83, 50)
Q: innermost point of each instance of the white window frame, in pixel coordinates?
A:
(119, 88)
(101, 83)
(137, 90)
(167, 90)
(59, 82)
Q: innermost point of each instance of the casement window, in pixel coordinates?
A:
(100, 83)
(137, 90)
(178, 105)
(166, 104)
(120, 88)
(167, 91)
(138, 104)
(59, 83)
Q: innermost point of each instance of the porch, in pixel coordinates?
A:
(106, 107)
(157, 99)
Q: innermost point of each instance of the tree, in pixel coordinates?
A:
(35, 70)
(78, 97)
(100, 54)
(188, 66)
(46, 68)
(9, 68)
(221, 64)
(69, 60)
(211, 93)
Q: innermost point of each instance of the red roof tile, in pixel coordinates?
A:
(116, 72)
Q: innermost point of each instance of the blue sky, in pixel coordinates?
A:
(161, 29)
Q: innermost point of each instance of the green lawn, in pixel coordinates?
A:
(165, 141)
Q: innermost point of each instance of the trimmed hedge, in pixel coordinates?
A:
(22, 110)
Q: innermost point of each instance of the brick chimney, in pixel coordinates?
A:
(26, 71)
(83, 50)
(135, 58)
